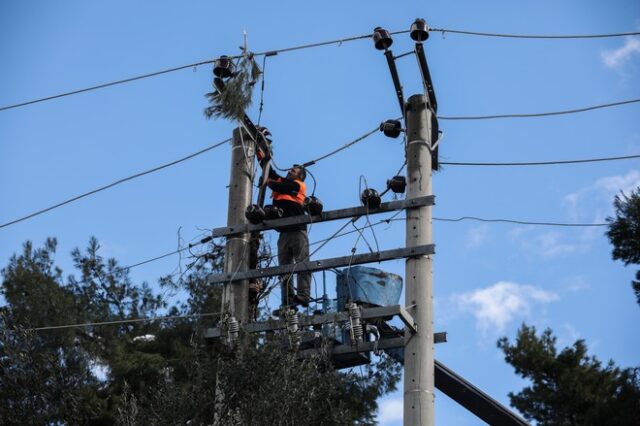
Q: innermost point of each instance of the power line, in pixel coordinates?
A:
(118, 182)
(117, 322)
(532, 36)
(153, 259)
(539, 114)
(520, 222)
(543, 163)
(343, 147)
(104, 85)
(182, 67)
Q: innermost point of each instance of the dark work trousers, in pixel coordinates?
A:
(293, 247)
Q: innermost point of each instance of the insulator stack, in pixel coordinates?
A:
(293, 322)
(233, 329)
(355, 317)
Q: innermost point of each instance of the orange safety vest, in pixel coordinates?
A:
(298, 198)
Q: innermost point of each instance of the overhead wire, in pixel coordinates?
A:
(532, 36)
(123, 321)
(539, 114)
(541, 163)
(520, 222)
(343, 147)
(192, 65)
(111, 185)
(337, 234)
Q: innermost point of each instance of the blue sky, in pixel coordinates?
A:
(489, 278)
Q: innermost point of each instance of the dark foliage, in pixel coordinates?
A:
(624, 233)
(157, 372)
(570, 387)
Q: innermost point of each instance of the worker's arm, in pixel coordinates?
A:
(284, 186)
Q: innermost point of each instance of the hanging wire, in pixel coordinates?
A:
(539, 114)
(125, 321)
(264, 67)
(193, 65)
(543, 163)
(531, 36)
(118, 182)
(363, 178)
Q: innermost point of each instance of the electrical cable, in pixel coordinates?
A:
(343, 147)
(118, 182)
(117, 322)
(539, 114)
(193, 65)
(393, 218)
(520, 222)
(543, 163)
(366, 206)
(264, 67)
(180, 250)
(531, 36)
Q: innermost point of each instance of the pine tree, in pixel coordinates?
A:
(570, 387)
(157, 372)
(624, 233)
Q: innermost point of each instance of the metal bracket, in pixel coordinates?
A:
(408, 320)
(396, 79)
(426, 76)
(319, 265)
(324, 217)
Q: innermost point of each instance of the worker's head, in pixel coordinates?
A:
(297, 172)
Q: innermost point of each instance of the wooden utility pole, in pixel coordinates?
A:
(418, 352)
(236, 259)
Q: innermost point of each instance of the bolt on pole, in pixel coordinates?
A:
(236, 293)
(418, 352)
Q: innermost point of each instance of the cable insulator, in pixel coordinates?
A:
(370, 198)
(293, 322)
(223, 67)
(419, 30)
(391, 128)
(254, 214)
(381, 38)
(355, 317)
(233, 329)
(313, 205)
(272, 212)
(397, 184)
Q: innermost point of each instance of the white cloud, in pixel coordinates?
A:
(548, 245)
(494, 307)
(616, 58)
(390, 411)
(477, 236)
(600, 195)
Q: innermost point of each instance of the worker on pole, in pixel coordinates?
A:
(288, 194)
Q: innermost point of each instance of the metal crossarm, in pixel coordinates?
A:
(331, 317)
(319, 265)
(324, 217)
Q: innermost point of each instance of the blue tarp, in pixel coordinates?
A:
(368, 285)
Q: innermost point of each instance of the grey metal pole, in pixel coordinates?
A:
(418, 352)
(236, 293)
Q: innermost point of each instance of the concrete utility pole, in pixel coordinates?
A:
(236, 293)
(418, 351)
